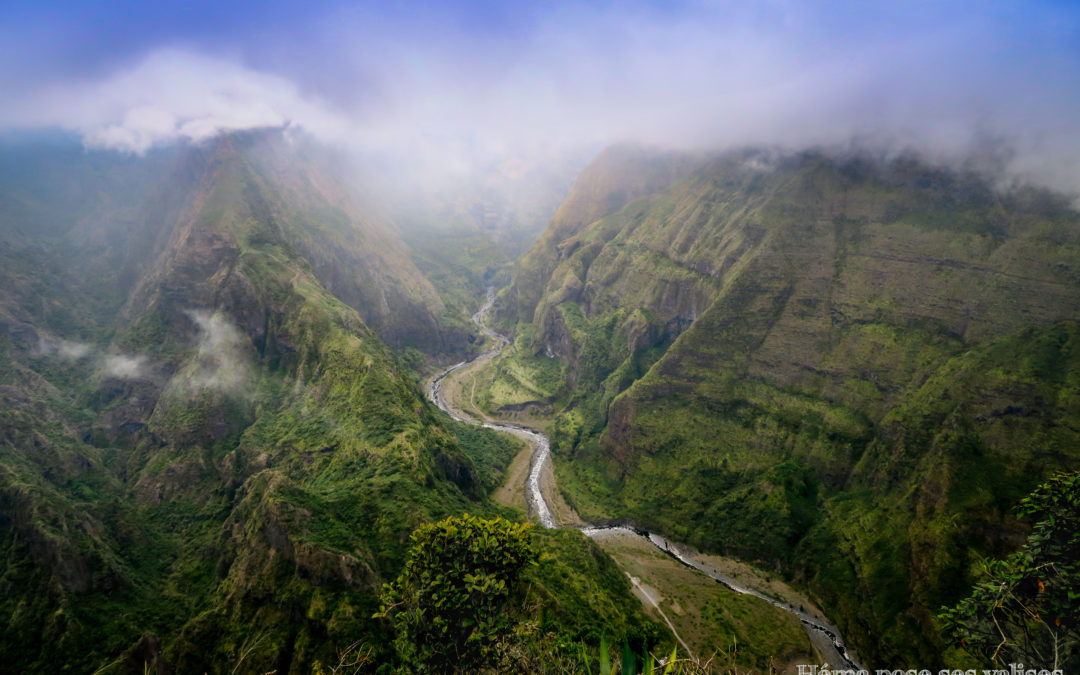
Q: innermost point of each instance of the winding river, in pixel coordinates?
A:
(823, 634)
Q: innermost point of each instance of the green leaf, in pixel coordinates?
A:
(671, 660)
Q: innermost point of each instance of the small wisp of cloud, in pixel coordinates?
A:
(68, 350)
(125, 367)
(220, 363)
(111, 364)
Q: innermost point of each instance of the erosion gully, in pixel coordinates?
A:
(832, 646)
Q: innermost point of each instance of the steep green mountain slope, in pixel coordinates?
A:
(845, 367)
(109, 217)
(353, 249)
(208, 461)
(617, 176)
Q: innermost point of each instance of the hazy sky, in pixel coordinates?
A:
(128, 75)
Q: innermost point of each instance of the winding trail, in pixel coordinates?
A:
(822, 633)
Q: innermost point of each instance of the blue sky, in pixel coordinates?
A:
(936, 75)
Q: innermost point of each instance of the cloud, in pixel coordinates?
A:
(221, 361)
(173, 95)
(65, 349)
(454, 85)
(113, 364)
(124, 367)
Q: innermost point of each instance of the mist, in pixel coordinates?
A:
(450, 89)
(68, 350)
(220, 362)
(124, 367)
(106, 363)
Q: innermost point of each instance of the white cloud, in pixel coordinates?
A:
(124, 367)
(112, 364)
(66, 349)
(933, 76)
(173, 95)
(221, 362)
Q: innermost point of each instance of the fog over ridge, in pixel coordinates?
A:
(465, 85)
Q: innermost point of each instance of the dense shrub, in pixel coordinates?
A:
(1027, 607)
(447, 604)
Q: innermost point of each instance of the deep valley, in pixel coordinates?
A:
(828, 375)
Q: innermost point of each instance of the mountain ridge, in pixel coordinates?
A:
(762, 338)
(221, 462)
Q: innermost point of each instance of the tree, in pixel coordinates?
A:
(447, 604)
(1027, 609)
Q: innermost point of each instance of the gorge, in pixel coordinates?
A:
(832, 647)
(826, 375)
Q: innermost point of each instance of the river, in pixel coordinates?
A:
(825, 636)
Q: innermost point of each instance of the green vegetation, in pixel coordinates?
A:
(448, 604)
(846, 369)
(229, 496)
(517, 379)
(480, 595)
(1026, 608)
(729, 629)
(461, 262)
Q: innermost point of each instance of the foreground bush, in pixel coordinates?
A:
(447, 604)
(1027, 607)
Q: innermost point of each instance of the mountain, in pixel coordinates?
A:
(619, 175)
(118, 212)
(844, 367)
(210, 461)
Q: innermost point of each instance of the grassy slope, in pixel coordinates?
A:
(617, 176)
(719, 626)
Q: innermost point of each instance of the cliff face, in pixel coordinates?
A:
(843, 365)
(357, 255)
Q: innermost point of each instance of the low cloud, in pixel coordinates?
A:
(453, 88)
(221, 362)
(65, 349)
(172, 95)
(107, 364)
(125, 367)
